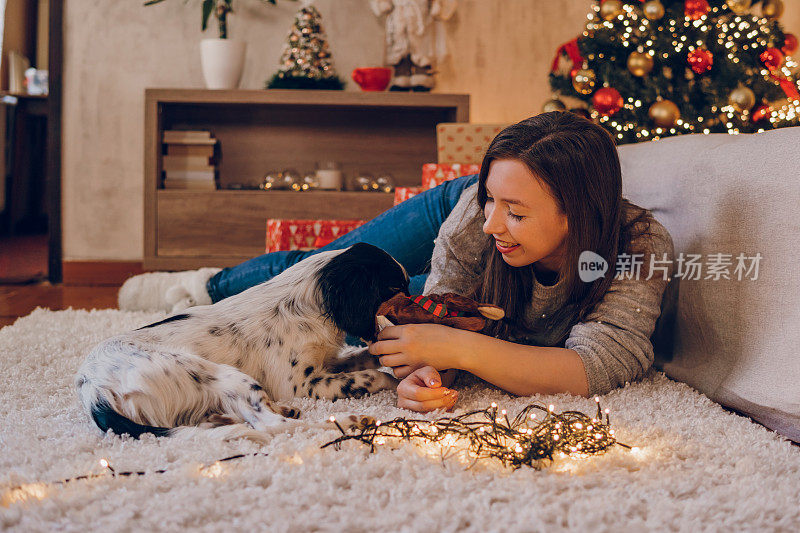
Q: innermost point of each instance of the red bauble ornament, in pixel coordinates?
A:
(607, 101)
(760, 113)
(772, 58)
(694, 9)
(700, 60)
(789, 44)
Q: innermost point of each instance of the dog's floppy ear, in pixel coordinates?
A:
(353, 285)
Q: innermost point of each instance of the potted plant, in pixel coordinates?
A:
(222, 59)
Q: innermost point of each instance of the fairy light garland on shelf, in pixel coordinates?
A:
(487, 434)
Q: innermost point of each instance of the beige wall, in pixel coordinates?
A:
(501, 52)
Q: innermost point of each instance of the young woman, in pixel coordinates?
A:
(550, 189)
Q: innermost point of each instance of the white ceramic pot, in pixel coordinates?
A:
(223, 62)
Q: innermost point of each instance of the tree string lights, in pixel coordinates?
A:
(683, 66)
(306, 61)
(489, 434)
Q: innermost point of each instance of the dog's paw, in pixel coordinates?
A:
(288, 412)
(217, 420)
(358, 422)
(384, 381)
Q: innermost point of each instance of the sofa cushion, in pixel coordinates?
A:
(735, 340)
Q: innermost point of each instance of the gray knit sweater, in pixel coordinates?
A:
(613, 341)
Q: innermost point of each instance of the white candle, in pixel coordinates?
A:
(329, 178)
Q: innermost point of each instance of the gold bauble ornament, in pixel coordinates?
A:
(742, 99)
(664, 113)
(584, 81)
(772, 9)
(640, 64)
(740, 7)
(554, 104)
(653, 9)
(610, 9)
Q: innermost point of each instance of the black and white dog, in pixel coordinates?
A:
(222, 365)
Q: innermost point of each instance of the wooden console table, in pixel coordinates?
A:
(262, 131)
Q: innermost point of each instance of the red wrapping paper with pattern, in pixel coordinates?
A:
(286, 234)
(401, 194)
(435, 174)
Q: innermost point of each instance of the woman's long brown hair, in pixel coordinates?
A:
(578, 162)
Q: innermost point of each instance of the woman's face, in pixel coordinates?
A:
(523, 217)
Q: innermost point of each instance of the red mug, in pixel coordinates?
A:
(372, 78)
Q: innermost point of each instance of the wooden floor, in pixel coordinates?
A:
(20, 300)
(23, 258)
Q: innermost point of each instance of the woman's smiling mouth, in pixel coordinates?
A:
(505, 247)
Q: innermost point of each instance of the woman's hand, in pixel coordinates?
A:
(422, 391)
(410, 347)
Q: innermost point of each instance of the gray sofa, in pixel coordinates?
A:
(735, 340)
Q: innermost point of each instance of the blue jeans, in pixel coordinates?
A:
(406, 231)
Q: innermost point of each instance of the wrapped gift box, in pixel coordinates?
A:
(285, 234)
(434, 174)
(401, 194)
(464, 143)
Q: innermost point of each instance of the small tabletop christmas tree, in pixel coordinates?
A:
(657, 68)
(306, 61)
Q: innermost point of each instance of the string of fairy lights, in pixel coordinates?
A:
(40, 490)
(640, 28)
(535, 437)
(489, 434)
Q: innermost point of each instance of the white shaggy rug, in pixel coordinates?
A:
(699, 468)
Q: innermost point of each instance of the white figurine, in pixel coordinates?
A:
(415, 39)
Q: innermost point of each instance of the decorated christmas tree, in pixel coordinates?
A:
(657, 68)
(306, 60)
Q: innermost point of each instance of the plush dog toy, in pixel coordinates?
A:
(449, 309)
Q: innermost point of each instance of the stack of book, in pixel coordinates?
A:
(189, 160)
